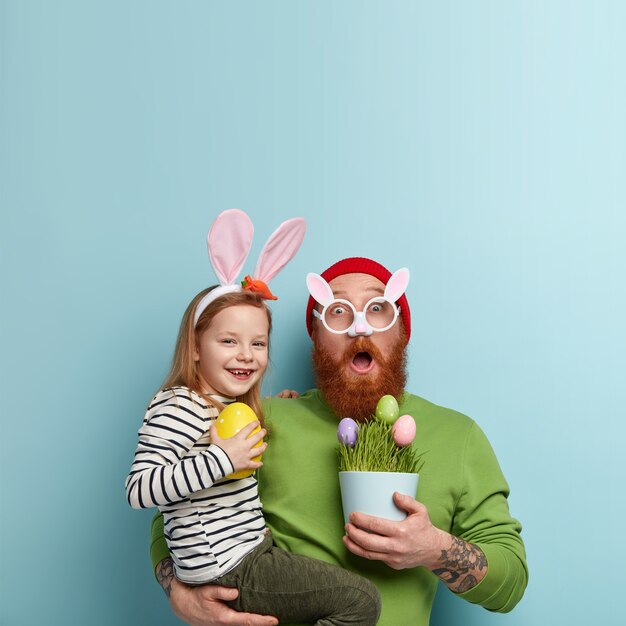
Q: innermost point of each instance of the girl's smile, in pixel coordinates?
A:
(241, 374)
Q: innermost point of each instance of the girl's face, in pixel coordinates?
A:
(232, 353)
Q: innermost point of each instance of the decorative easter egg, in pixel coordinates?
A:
(403, 430)
(347, 432)
(387, 409)
(230, 421)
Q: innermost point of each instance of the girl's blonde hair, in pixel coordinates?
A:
(184, 370)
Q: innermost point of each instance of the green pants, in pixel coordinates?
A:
(297, 589)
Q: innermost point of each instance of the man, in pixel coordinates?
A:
(458, 530)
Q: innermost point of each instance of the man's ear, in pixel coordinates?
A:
(400, 322)
(316, 324)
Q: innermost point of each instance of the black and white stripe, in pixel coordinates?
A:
(211, 523)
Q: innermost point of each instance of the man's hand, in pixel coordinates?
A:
(288, 393)
(413, 541)
(204, 606)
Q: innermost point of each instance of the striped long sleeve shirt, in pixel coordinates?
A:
(211, 522)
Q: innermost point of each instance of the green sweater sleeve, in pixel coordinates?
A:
(482, 517)
(158, 543)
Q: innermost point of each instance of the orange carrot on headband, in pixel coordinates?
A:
(258, 286)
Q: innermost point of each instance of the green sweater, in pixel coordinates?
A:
(461, 485)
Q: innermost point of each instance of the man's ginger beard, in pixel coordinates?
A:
(355, 395)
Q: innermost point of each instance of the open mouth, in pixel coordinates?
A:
(241, 374)
(362, 362)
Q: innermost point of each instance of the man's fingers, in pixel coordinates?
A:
(214, 595)
(250, 619)
(230, 617)
(215, 592)
(373, 524)
(406, 503)
(288, 393)
(367, 541)
(355, 548)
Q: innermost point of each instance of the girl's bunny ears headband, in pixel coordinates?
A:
(229, 242)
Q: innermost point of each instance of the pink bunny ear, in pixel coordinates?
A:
(280, 248)
(229, 242)
(397, 284)
(319, 289)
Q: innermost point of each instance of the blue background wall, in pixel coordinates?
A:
(481, 144)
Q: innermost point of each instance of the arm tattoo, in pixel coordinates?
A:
(165, 575)
(459, 564)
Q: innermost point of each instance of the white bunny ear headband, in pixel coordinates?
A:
(229, 242)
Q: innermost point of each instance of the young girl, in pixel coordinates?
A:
(214, 525)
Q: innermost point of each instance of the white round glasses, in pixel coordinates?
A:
(340, 316)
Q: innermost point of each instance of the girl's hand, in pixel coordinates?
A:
(240, 448)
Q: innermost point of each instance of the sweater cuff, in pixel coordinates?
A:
(489, 590)
(223, 460)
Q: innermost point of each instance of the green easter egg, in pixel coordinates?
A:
(387, 409)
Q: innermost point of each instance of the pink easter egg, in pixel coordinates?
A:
(403, 430)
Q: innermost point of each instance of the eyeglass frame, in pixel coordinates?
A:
(358, 316)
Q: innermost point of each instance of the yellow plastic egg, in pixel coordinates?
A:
(230, 421)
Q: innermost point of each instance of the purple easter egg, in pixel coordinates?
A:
(347, 431)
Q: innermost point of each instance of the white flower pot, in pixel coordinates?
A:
(372, 492)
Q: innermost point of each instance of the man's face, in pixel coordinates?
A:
(354, 372)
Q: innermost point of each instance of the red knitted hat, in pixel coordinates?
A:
(361, 265)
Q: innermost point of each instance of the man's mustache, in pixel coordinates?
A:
(361, 344)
